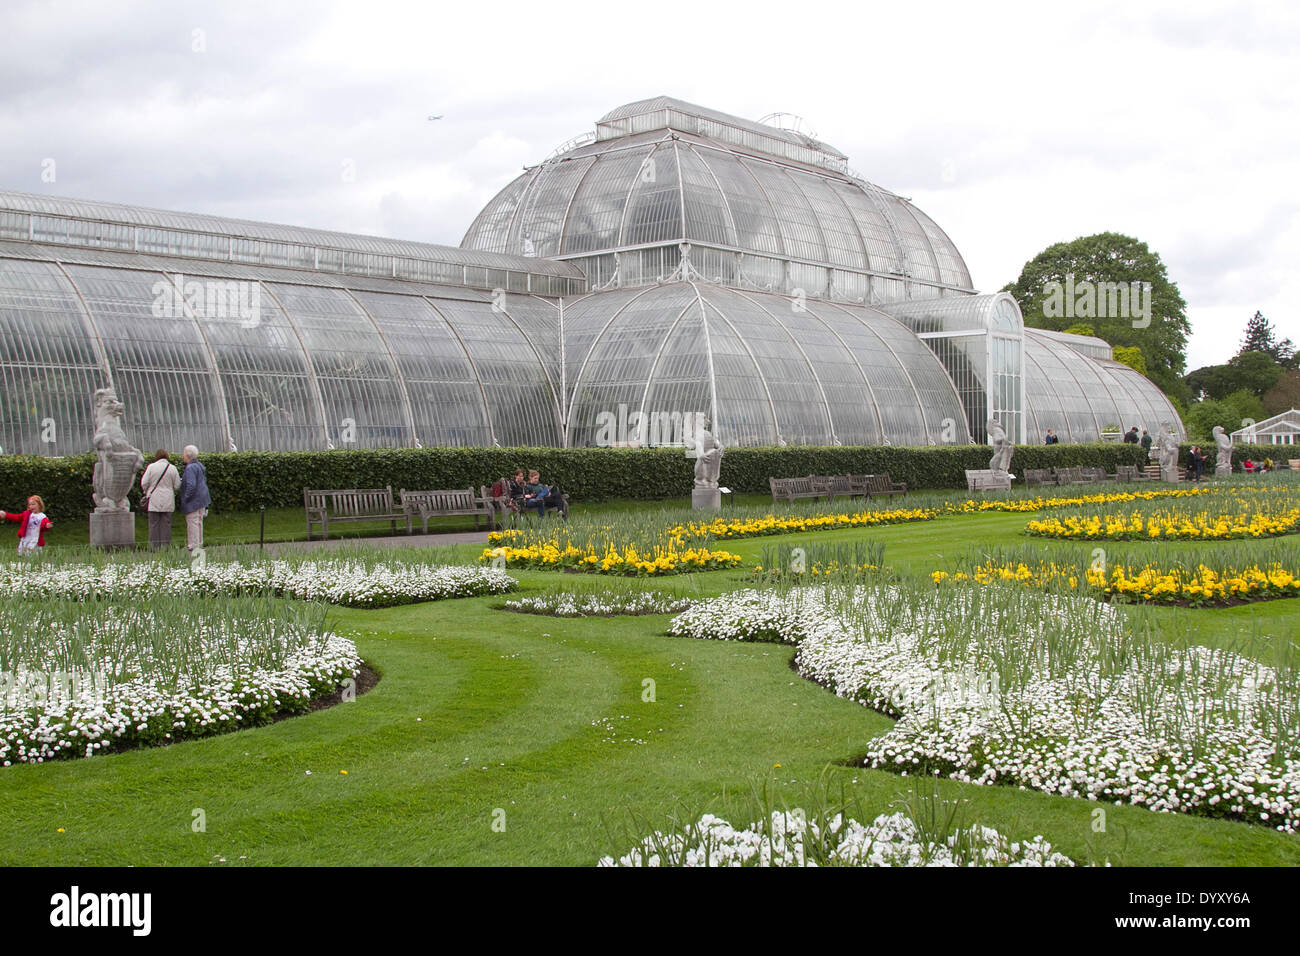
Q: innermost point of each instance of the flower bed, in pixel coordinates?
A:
(1200, 586)
(1166, 526)
(146, 675)
(723, 528)
(1060, 501)
(1045, 692)
(595, 605)
(348, 583)
(627, 561)
(789, 839)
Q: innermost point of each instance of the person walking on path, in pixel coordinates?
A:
(160, 482)
(1146, 442)
(194, 498)
(31, 525)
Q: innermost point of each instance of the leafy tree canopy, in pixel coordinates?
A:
(1260, 337)
(1230, 412)
(1131, 356)
(1098, 278)
(1284, 395)
(1253, 372)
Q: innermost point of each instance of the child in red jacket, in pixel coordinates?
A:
(31, 525)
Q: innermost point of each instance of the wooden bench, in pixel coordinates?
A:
(350, 504)
(1073, 476)
(790, 489)
(879, 486)
(1131, 473)
(847, 486)
(445, 502)
(1093, 473)
(1294, 463)
(986, 480)
(1039, 476)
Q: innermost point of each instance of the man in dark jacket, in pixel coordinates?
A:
(194, 498)
(1131, 436)
(1146, 441)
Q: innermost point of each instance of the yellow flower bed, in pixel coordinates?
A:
(1100, 498)
(627, 561)
(1204, 586)
(790, 524)
(1166, 526)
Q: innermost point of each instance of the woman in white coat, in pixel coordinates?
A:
(160, 483)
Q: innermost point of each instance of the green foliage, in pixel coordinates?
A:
(1252, 372)
(1111, 257)
(1131, 356)
(1231, 412)
(244, 481)
(1260, 337)
(1080, 330)
(1284, 395)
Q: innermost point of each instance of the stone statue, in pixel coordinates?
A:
(1168, 453)
(119, 460)
(1223, 465)
(708, 459)
(1002, 447)
(705, 448)
(111, 523)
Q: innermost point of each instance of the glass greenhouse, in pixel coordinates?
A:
(677, 266)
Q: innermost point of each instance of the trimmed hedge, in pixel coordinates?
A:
(243, 481)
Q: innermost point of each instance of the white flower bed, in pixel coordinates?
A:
(596, 605)
(349, 583)
(1188, 730)
(125, 695)
(791, 840)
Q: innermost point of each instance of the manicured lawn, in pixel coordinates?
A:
(480, 709)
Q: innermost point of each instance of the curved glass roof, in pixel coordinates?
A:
(782, 219)
(1079, 397)
(763, 370)
(250, 357)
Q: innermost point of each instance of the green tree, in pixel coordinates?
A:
(1109, 257)
(1284, 395)
(1253, 372)
(1131, 356)
(1260, 337)
(1229, 411)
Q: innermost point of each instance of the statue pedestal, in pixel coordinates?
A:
(112, 529)
(1169, 474)
(706, 499)
(1222, 471)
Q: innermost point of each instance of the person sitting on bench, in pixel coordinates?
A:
(538, 495)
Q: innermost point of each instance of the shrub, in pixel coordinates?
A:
(243, 481)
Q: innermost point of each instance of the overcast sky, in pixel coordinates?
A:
(1013, 126)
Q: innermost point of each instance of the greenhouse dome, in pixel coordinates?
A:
(763, 208)
(676, 265)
